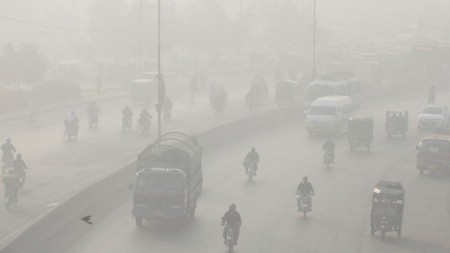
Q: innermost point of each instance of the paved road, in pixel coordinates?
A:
(59, 169)
(338, 223)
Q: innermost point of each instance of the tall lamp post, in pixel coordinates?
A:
(314, 68)
(159, 70)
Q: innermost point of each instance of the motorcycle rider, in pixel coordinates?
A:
(19, 168)
(231, 218)
(93, 111)
(145, 118)
(127, 115)
(167, 106)
(305, 189)
(11, 182)
(71, 121)
(329, 146)
(8, 151)
(252, 156)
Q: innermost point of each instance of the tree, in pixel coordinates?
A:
(23, 64)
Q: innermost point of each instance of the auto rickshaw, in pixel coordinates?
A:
(387, 208)
(396, 123)
(360, 132)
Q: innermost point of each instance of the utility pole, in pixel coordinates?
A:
(141, 37)
(159, 69)
(314, 70)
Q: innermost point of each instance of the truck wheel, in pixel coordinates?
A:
(139, 221)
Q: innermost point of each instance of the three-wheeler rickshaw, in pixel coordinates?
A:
(396, 123)
(388, 201)
(360, 132)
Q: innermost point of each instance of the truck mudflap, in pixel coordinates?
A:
(150, 213)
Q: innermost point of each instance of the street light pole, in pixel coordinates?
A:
(159, 69)
(140, 38)
(314, 70)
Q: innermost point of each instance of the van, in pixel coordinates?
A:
(329, 114)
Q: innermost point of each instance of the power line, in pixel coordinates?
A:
(66, 28)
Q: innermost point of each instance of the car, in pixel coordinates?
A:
(431, 117)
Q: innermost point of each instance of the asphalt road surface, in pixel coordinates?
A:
(339, 222)
(58, 169)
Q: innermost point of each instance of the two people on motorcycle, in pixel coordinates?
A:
(231, 219)
(328, 147)
(305, 190)
(8, 151)
(93, 111)
(252, 158)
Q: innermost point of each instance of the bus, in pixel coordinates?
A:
(341, 84)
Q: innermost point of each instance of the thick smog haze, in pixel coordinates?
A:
(199, 126)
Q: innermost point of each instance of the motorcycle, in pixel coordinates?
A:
(93, 120)
(144, 127)
(126, 124)
(304, 203)
(10, 198)
(230, 237)
(22, 175)
(71, 131)
(251, 170)
(328, 158)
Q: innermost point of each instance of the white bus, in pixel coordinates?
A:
(340, 84)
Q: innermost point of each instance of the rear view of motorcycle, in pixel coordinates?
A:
(303, 204)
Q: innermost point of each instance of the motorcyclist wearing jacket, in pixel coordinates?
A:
(231, 218)
(252, 156)
(306, 189)
(329, 146)
(19, 168)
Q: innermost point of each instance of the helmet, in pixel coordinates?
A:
(233, 207)
(8, 140)
(19, 156)
(253, 148)
(305, 178)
